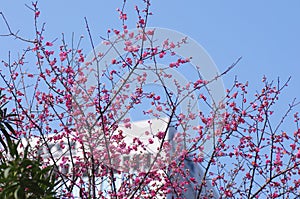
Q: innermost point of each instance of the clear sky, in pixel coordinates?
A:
(265, 33)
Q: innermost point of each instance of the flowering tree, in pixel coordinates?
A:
(72, 112)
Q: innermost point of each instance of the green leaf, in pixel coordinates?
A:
(26, 151)
(10, 128)
(7, 137)
(6, 172)
(16, 193)
(3, 144)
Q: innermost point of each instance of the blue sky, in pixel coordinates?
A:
(265, 33)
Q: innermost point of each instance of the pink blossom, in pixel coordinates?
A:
(49, 43)
(113, 61)
(131, 35)
(150, 141)
(159, 108)
(37, 14)
(172, 45)
(160, 135)
(298, 154)
(150, 32)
